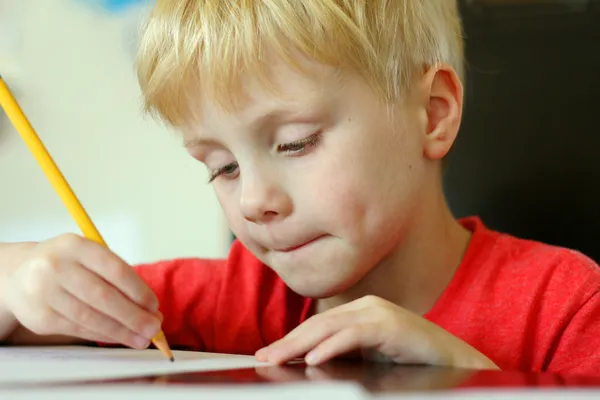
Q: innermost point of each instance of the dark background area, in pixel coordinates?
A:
(526, 159)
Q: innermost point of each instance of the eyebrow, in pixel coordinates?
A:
(281, 115)
(199, 142)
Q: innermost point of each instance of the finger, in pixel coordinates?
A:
(358, 304)
(342, 342)
(305, 337)
(49, 322)
(114, 270)
(87, 318)
(80, 332)
(315, 322)
(93, 290)
(351, 307)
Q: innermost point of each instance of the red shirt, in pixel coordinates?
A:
(526, 305)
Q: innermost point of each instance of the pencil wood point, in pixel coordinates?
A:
(161, 343)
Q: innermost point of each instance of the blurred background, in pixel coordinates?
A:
(526, 159)
(69, 63)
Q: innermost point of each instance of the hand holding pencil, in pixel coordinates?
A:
(75, 286)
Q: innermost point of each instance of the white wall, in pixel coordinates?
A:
(72, 73)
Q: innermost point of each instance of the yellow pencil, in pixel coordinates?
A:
(58, 181)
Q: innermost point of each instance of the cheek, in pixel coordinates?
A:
(337, 200)
(231, 210)
(367, 189)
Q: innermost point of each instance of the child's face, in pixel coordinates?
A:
(320, 180)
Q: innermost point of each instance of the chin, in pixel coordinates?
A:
(322, 270)
(313, 290)
(318, 282)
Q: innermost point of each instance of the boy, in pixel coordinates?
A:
(323, 124)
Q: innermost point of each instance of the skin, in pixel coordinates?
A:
(70, 290)
(336, 191)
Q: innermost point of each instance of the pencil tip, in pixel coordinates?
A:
(172, 359)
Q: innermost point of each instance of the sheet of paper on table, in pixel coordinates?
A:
(49, 366)
(41, 373)
(74, 363)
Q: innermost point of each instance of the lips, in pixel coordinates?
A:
(300, 244)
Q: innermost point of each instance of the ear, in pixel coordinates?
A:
(443, 102)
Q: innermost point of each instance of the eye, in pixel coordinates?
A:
(301, 146)
(229, 171)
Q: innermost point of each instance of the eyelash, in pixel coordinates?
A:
(296, 148)
(300, 147)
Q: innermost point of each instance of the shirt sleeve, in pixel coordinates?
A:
(578, 348)
(188, 291)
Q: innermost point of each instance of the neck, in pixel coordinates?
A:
(415, 274)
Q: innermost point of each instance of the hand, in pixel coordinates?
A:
(76, 287)
(379, 329)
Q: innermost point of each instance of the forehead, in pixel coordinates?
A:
(288, 92)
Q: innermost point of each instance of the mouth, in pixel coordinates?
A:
(299, 246)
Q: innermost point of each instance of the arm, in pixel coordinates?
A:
(578, 348)
(12, 255)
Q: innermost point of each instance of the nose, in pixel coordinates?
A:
(263, 199)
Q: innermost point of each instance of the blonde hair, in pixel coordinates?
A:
(211, 45)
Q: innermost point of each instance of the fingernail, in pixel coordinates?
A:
(150, 330)
(311, 359)
(276, 357)
(264, 353)
(140, 342)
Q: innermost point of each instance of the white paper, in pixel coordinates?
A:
(74, 363)
(287, 391)
(534, 393)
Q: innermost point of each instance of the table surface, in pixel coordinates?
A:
(377, 378)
